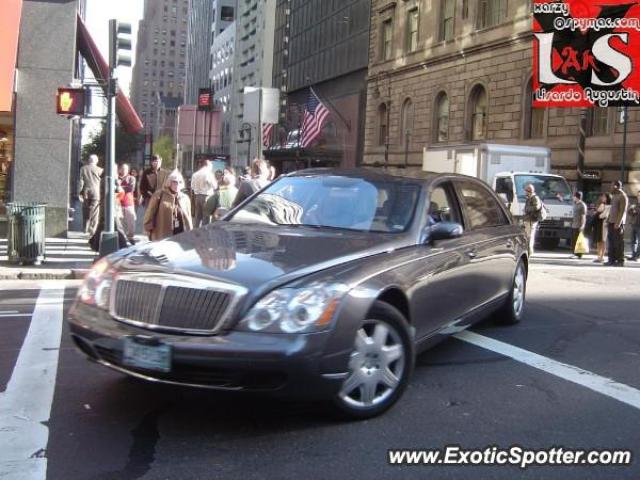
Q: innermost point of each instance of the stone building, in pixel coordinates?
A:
(451, 72)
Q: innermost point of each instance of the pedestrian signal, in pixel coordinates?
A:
(70, 101)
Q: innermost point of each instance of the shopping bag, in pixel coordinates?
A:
(582, 245)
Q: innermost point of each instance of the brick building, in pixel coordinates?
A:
(451, 72)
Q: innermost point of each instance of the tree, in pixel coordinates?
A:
(165, 147)
(127, 145)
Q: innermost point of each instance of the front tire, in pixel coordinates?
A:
(513, 309)
(380, 365)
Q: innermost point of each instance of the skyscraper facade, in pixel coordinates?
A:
(159, 72)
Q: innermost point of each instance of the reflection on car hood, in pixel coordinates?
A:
(257, 255)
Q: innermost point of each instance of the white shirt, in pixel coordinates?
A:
(203, 182)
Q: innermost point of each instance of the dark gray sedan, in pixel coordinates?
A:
(326, 284)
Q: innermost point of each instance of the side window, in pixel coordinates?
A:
(480, 207)
(441, 206)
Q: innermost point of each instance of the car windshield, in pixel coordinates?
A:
(348, 203)
(549, 188)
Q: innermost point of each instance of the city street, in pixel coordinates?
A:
(101, 425)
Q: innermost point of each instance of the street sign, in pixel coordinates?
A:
(70, 102)
(205, 99)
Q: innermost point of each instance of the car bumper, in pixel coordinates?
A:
(291, 365)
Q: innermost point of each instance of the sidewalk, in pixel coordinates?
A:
(563, 258)
(66, 258)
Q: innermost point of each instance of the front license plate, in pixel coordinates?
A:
(148, 357)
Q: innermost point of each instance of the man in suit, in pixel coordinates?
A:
(89, 193)
(152, 180)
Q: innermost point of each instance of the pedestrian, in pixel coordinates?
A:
(152, 180)
(616, 223)
(259, 179)
(634, 222)
(222, 201)
(230, 175)
(89, 186)
(600, 221)
(203, 186)
(532, 215)
(169, 210)
(127, 184)
(579, 221)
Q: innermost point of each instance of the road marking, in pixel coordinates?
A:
(605, 386)
(12, 315)
(26, 403)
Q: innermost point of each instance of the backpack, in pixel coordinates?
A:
(543, 213)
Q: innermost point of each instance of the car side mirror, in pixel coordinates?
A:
(442, 231)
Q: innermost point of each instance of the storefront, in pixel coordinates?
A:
(9, 33)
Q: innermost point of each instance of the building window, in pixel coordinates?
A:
(227, 14)
(383, 129)
(478, 113)
(441, 131)
(491, 12)
(599, 120)
(407, 122)
(412, 31)
(447, 15)
(534, 117)
(387, 39)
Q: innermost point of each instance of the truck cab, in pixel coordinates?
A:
(555, 193)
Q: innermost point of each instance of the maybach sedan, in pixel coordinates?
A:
(324, 285)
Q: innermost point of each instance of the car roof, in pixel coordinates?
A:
(376, 174)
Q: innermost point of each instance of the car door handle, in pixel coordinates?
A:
(472, 254)
(509, 244)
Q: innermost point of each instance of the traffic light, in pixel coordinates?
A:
(70, 101)
(120, 36)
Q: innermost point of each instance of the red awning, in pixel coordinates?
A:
(126, 113)
(9, 35)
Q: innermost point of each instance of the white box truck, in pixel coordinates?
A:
(508, 169)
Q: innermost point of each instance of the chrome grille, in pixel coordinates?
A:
(172, 303)
(137, 301)
(192, 309)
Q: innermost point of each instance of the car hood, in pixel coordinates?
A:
(255, 256)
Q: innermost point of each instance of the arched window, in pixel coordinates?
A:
(478, 113)
(441, 118)
(383, 127)
(407, 122)
(533, 117)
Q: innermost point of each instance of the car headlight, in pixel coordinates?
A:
(96, 288)
(295, 310)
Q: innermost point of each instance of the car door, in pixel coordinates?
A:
(490, 247)
(436, 297)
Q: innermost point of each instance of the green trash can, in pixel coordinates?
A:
(26, 233)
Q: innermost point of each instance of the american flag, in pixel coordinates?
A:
(315, 114)
(267, 129)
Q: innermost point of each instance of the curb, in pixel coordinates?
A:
(42, 274)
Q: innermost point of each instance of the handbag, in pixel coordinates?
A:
(582, 245)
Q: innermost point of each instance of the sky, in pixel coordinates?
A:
(99, 12)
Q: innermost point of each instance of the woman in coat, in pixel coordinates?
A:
(169, 210)
(600, 225)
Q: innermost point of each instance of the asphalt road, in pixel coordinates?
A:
(105, 426)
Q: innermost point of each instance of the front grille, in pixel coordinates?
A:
(137, 301)
(160, 305)
(193, 309)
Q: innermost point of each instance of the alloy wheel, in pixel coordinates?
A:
(519, 286)
(376, 366)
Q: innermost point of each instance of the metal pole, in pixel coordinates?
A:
(625, 112)
(193, 144)
(109, 237)
(259, 142)
(582, 136)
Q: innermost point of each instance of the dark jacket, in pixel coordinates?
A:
(532, 208)
(248, 188)
(619, 205)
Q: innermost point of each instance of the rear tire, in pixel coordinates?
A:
(380, 366)
(513, 310)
